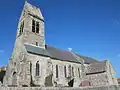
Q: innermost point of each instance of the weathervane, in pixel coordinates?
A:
(25, 1)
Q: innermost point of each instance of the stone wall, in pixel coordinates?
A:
(62, 80)
(48, 67)
(111, 74)
(101, 73)
(99, 79)
(61, 88)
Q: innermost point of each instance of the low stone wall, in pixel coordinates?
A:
(61, 88)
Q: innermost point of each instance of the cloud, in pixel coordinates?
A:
(116, 22)
(2, 51)
(69, 49)
(118, 55)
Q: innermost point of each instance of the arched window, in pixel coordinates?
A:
(33, 25)
(37, 68)
(69, 69)
(72, 71)
(30, 68)
(14, 79)
(21, 28)
(37, 27)
(79, 72)
(56, 71)
(65, 71)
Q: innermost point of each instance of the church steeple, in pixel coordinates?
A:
(30, 31)
(31, 26)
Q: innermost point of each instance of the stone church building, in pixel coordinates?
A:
(35, 64)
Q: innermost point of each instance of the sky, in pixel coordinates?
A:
(88, 27)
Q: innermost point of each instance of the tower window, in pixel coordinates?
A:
(33, 25)
(56, 71)
(37, 27)
(65, 71)
(37, 68)
(36, 43)
(21, 28)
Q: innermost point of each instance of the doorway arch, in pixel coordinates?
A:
(14, 79)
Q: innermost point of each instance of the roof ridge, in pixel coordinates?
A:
(56, 48)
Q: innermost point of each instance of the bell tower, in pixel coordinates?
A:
(31, 26)
(30, 31)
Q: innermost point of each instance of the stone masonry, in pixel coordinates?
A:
(35, 64)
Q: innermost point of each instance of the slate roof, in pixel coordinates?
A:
(96, 68)
(61, 54)
(57, 54)
(88, 60)
(36, 50)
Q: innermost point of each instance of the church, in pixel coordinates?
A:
(33, 63)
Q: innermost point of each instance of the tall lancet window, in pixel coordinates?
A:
(37, 27)
(33, 25)
(72, 71)
(21, 28)
(30, 68)
(69, 68)
(37, 68)
(65, 71)
(56, 71)
(79, 72)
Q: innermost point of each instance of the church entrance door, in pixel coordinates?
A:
(14, 79)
